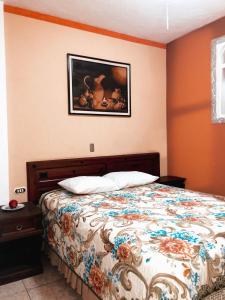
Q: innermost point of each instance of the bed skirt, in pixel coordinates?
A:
(86, 293)
(72, 279)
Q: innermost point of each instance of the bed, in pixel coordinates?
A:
(146, 242)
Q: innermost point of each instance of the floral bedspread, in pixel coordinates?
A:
(149, 242)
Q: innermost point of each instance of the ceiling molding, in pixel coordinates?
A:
(80, 26)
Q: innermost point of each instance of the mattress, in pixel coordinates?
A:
(147, 242)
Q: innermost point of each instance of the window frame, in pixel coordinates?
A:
(217, 66)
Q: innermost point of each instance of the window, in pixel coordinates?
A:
(218, 80)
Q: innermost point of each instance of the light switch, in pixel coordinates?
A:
(92, 147)
(20, 190)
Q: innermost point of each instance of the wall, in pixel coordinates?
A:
(4, 177)
(196, 147)
(39, 125)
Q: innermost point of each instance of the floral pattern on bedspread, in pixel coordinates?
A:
(148, 242)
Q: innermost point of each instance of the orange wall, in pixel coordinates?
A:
(39, 125)
(196, 147)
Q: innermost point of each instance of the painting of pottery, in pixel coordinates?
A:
(98, 87)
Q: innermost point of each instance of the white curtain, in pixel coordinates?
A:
(4, 168)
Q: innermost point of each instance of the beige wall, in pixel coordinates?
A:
(39, 125)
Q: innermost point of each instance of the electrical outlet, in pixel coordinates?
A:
(20, 190)
(92, 147)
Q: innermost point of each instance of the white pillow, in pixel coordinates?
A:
(130, 178)
(88, 184)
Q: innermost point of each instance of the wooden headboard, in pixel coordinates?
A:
(43, 176)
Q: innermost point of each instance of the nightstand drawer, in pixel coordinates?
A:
(17, 228)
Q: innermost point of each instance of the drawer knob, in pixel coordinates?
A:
(19, 227)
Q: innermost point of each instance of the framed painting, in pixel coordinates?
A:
(98, 87)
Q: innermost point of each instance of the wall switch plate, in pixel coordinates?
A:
(92, 147)
(20, 190)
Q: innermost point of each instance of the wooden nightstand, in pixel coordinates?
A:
(20, 243)
(172, 181)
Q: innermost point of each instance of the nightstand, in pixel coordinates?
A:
(172, 181)
(20, 243)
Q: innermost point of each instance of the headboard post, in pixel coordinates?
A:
(43, 176)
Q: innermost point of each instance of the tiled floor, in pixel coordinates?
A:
(49, 285)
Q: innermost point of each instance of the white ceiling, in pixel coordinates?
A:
(141, 18)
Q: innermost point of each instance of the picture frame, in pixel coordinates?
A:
(98, 86)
